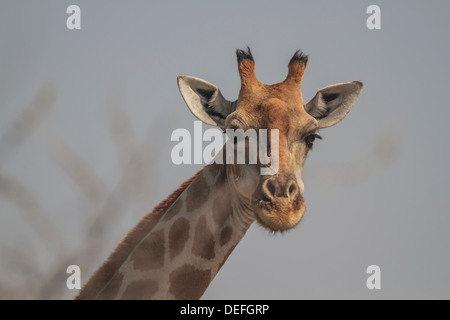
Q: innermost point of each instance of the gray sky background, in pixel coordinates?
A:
(376, 186)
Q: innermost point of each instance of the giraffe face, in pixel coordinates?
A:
(276, 200)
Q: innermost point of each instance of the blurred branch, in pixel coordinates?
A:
(134, 177)
(27, 122)
(23, 274)
(19, 194)
(107, 207)
(105, 211)
(74, 165)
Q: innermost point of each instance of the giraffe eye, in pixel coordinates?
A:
(309, 140)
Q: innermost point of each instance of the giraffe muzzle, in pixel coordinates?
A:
(273, 188)
(279, 203)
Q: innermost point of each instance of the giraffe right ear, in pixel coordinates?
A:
(331, 104)
(205, 100)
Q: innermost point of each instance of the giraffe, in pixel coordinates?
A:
(175, 251)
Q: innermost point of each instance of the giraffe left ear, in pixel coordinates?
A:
(205, 100)
(331, 104)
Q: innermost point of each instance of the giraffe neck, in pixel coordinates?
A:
(178, 255)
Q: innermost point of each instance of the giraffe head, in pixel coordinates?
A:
(276, 200)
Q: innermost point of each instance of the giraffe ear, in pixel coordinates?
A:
(331, 104)
(205, 100)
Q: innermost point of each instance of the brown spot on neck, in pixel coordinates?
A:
(178, 236)
(225, 235)
(113, 288)
(140, 290)
(189, 283)
(150, 252)
(105, 273)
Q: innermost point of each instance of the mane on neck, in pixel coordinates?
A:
(123, 250)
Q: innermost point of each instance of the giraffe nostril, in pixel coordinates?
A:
(268, 190)
(292, 189)
(271, 188)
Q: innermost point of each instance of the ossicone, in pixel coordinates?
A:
(244, 55)
(246, 67)
(297, 66)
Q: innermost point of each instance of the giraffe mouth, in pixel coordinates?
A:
(280, 214)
